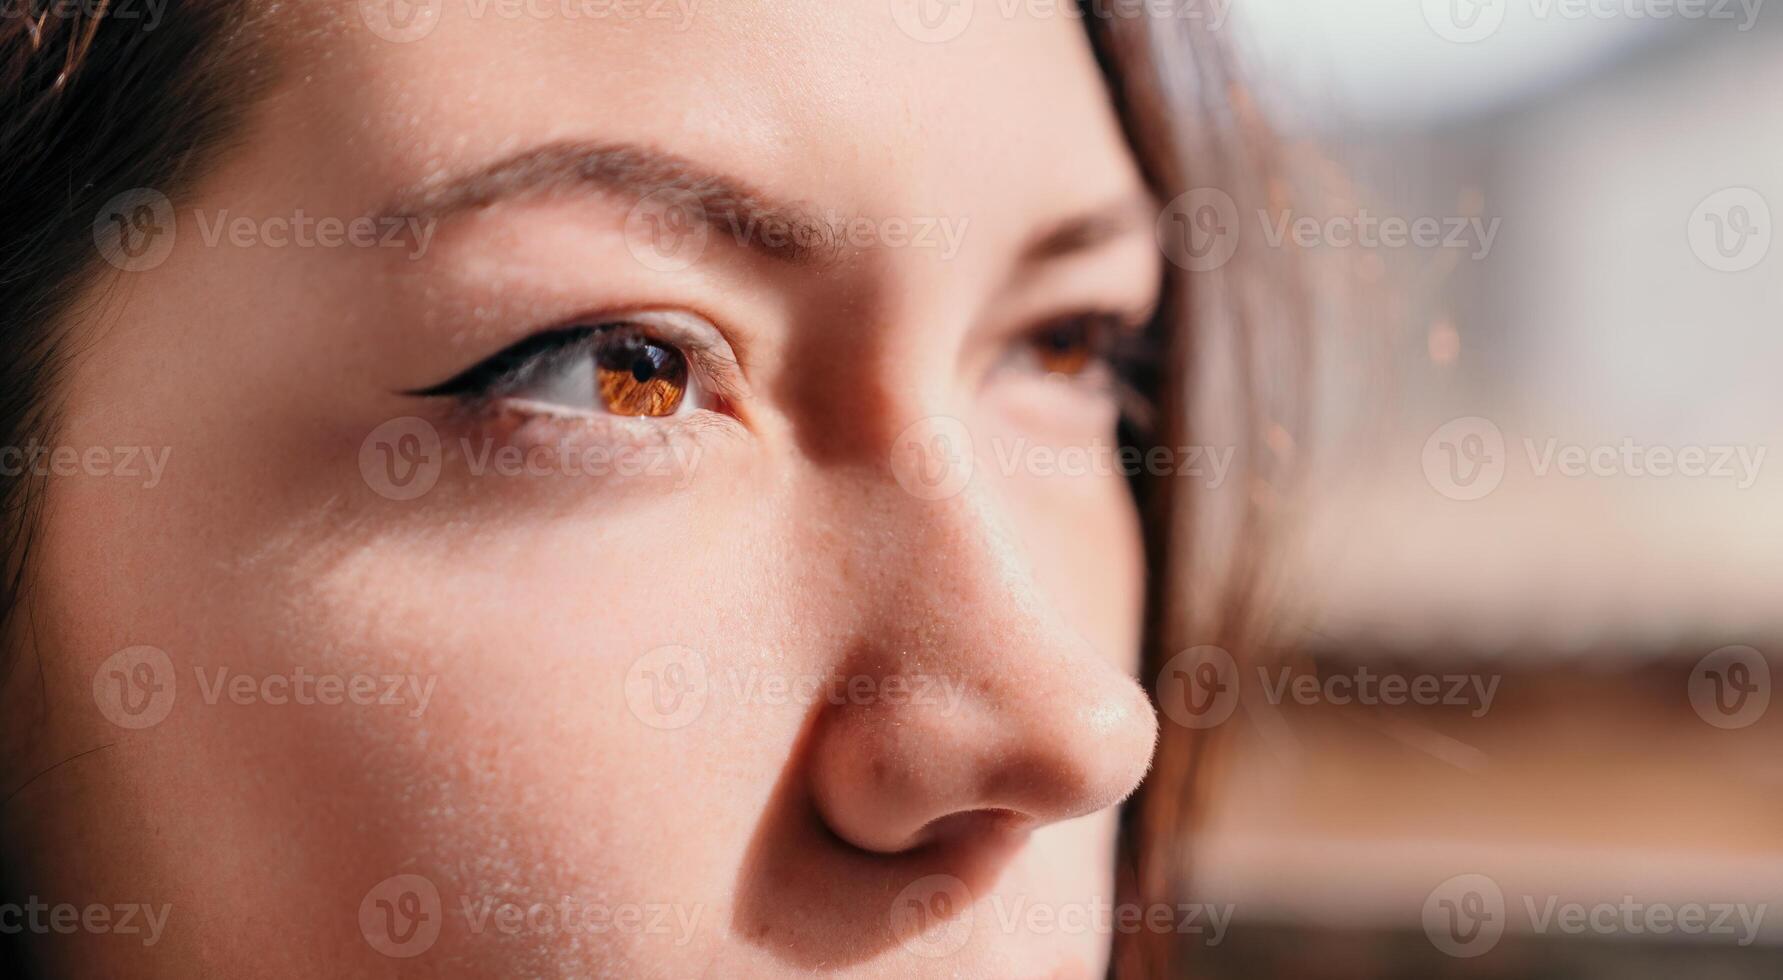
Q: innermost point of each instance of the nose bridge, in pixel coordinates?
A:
(925, 563)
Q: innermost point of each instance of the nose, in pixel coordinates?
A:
(991, 715)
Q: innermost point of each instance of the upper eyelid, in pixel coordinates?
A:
(713, 365)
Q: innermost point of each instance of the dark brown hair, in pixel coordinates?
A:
(1233, 360)
(97, 98)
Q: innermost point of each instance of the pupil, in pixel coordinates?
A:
(644, 368)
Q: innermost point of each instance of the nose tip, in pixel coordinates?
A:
(1020, 750)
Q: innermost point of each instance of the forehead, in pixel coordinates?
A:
(870, 106)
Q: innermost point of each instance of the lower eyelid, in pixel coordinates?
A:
(537, 424)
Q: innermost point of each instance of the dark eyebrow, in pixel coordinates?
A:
(1091, 229)
(724, 204)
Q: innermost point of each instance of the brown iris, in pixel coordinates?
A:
(639, 377)
(1066, 348)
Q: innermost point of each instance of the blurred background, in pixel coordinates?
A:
(1539, 481)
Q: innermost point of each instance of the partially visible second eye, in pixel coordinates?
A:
(613, 368)
(1076, 347)
(1067, 348)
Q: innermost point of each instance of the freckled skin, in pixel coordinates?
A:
(785, 835)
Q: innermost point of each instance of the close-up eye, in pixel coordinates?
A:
(646, 366)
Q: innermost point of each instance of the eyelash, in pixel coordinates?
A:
(511, 368)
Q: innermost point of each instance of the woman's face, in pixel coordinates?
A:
(679, 534)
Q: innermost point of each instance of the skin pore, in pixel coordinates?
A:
(905, 695)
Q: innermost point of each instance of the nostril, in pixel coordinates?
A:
(991, 824)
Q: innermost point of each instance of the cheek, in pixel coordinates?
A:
(555, 755)
(563, 649)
